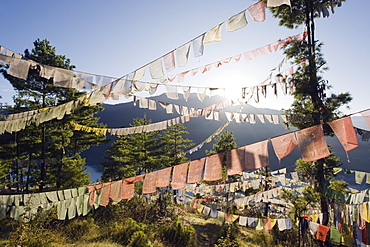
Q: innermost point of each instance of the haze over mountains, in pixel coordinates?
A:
(121, 115)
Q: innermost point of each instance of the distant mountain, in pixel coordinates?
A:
(121, 115)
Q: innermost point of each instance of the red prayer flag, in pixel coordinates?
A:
(127, 190)
(213, 167)
(235, 161)
(163, 177)
(149, 183)
(322, 232)
(179, 176)
(344, 130)
(256, 155)
(312, 143)
(128, 186)
(91, 189)
(196, 170)
(257, 11)
(284, 145)
(135, 179)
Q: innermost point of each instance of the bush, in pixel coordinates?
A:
(79, 228)
(139, 239)
(178, 235)
(228, 239)
(122, 233)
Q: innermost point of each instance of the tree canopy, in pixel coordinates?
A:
(47, 154)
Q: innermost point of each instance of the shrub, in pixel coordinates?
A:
(79, 228)
(178, 234)
(227, 239)
(121, 233)
(139, 239)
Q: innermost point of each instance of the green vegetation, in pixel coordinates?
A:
(312, 105)
(46, 154)
(144, 152)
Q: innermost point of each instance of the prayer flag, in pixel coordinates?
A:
(150, 181)
(179, 176)
(163, 177)
(284, 145)
(235, 161)
(156, 70)
(256, 155)
(196, 170)
(236, 22)
(169, 61)
(366, 116)
(276, 3)
(198, 46)
(213, 35)
(344, 130)
(312, 143)
(213, 167)
(182, 54)
(257, 11)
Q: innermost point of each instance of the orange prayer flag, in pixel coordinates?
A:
(344, 130)
(196, 170)
(163, 177)
(127, 190)
(235, 161)
(135, 179)
(284, 145)
(256, 155)
(213, 167)
(149, 183)
(322, 232)
(179, 176)
(312, 143)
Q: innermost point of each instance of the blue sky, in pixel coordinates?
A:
(114, 38)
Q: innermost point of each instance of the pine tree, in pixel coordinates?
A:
(224, 142)
(50, 149)
(311, 104)
(174, 145)
(134, 154)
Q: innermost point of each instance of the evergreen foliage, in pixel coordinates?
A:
(47, 154)
(144, 152)
(224, 142)
(311, 104)
(133, 154)
(174, 145)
